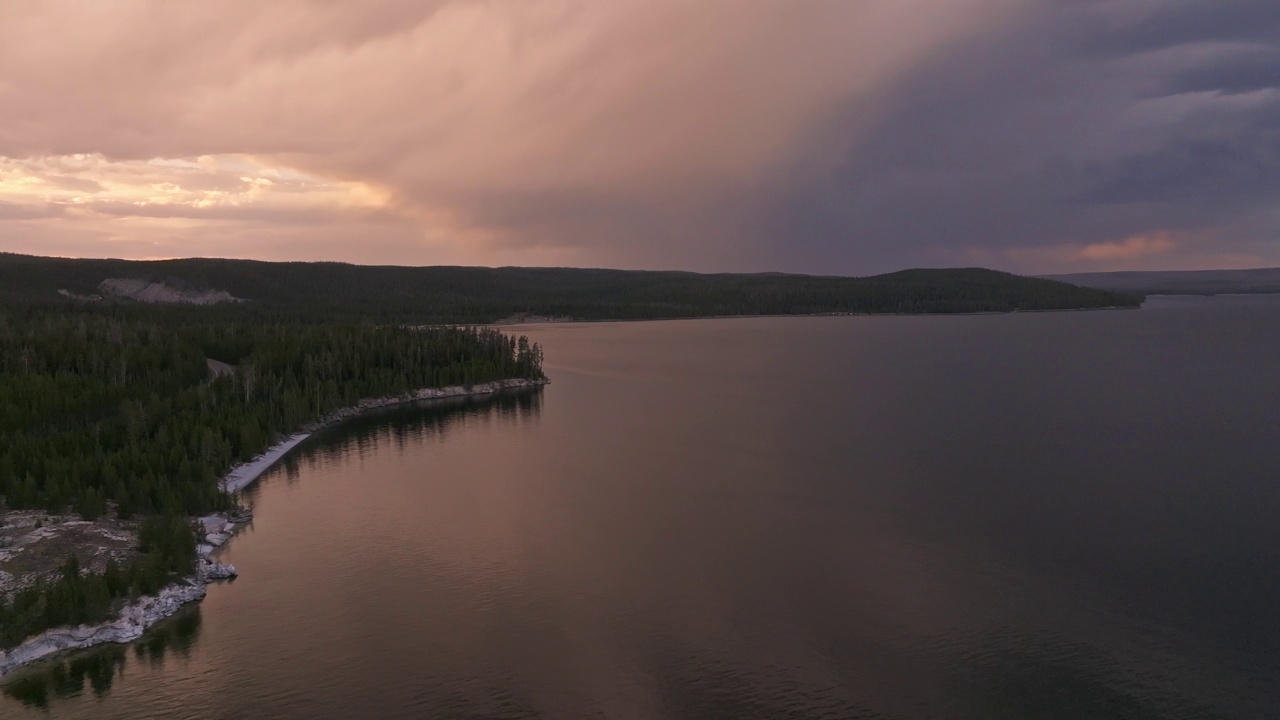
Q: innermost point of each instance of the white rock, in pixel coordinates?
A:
(217, 571)
(132, 622)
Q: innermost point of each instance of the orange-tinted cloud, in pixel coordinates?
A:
(1131, 248)
(561, 127)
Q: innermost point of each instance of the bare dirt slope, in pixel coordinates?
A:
(158, 292)
(34, 544)
(218, 368)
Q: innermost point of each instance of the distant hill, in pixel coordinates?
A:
(1180, 282)
(482, 295)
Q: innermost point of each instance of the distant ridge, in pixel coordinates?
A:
(329, 291)
(1179, 282)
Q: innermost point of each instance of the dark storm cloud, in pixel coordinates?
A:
(1085, 124)
(1247, 70)
(1135, 26)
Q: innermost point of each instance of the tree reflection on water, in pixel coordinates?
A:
(100, 666)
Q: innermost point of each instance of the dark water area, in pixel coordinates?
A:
(1063, 515)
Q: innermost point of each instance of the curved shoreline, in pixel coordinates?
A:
(243, 475)
(136, 618)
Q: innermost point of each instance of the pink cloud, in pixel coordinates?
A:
(639, 120)
(1130, 248)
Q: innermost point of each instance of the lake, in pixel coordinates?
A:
(1060, 515)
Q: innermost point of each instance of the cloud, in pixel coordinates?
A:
(1047, 137)
(647, 123)
(89, 181)
(1138, 246)
(827, 135)
(27, 211)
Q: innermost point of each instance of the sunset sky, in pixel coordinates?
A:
(829, 136)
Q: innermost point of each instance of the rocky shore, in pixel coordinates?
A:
(243, 475)
(216, 530)
(134, 620)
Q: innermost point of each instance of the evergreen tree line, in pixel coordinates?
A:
(99, 406)
(115, 408)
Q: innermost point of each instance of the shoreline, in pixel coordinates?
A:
(134, 619)
(243, 475)
(509, 323)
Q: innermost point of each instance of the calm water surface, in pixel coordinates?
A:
(1072, 515)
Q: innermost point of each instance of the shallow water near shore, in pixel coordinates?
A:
(1065, 515)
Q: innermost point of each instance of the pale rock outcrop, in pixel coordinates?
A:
(213, 523)
(216, 570)
(133, 621)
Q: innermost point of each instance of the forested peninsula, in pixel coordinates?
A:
(125, 416)
(486, 295)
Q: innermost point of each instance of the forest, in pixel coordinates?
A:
(117, 403)
(485, 295)
(113, 407)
